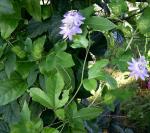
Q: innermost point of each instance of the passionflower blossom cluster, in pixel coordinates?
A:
(138, 68)
(71, 24)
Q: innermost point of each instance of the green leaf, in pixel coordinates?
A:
(121, 61)
(25, 124)
(4, 128)
(3, 75)
(9, 22)
(23, 68)
(18, 51)
(60, 46)
(2, 47)
(26, 127)
(60, 113)
(87, 113)
(50, 130)
(41, 97)
(38, 47)
(87, 12)
(118, 7)
(111, 81)
(25, 113)
(70, 110)
(68, 76)
(143, 23)
(11, 89)
(33, 7)
(28, 45)
(97, 69)
(36, 109)
(108, 79)
(46, 11)
(117, 128)
(6, 7)
(1, 66)
(100, 23)
(10, 64)
(79, 41)
(32, 76)
(10, 112)
(54, 88)
(120, 94)
(54, 83)
(53, 33)
(77, 126)
(36, 28)
(90, 84)
(56, 59)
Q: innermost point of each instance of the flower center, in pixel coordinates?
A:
(140, 66)
(70, 25)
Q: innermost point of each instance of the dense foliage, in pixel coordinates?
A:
(55, 74)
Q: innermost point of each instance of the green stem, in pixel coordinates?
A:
(146, 42)
(82, 76)
(138, 50)
(62, 128)
(129, 44)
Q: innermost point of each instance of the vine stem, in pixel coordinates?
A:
(62, 127)
(82, 76)
(138, 50)
(129, 44)
(146, 43)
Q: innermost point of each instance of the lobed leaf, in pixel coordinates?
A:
(11, 89)
(87, 113)
(100, 24)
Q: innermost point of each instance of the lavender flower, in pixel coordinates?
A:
(138, 68)
(71, 24)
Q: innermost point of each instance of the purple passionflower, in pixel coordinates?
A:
(71, 24)
(138, 68)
